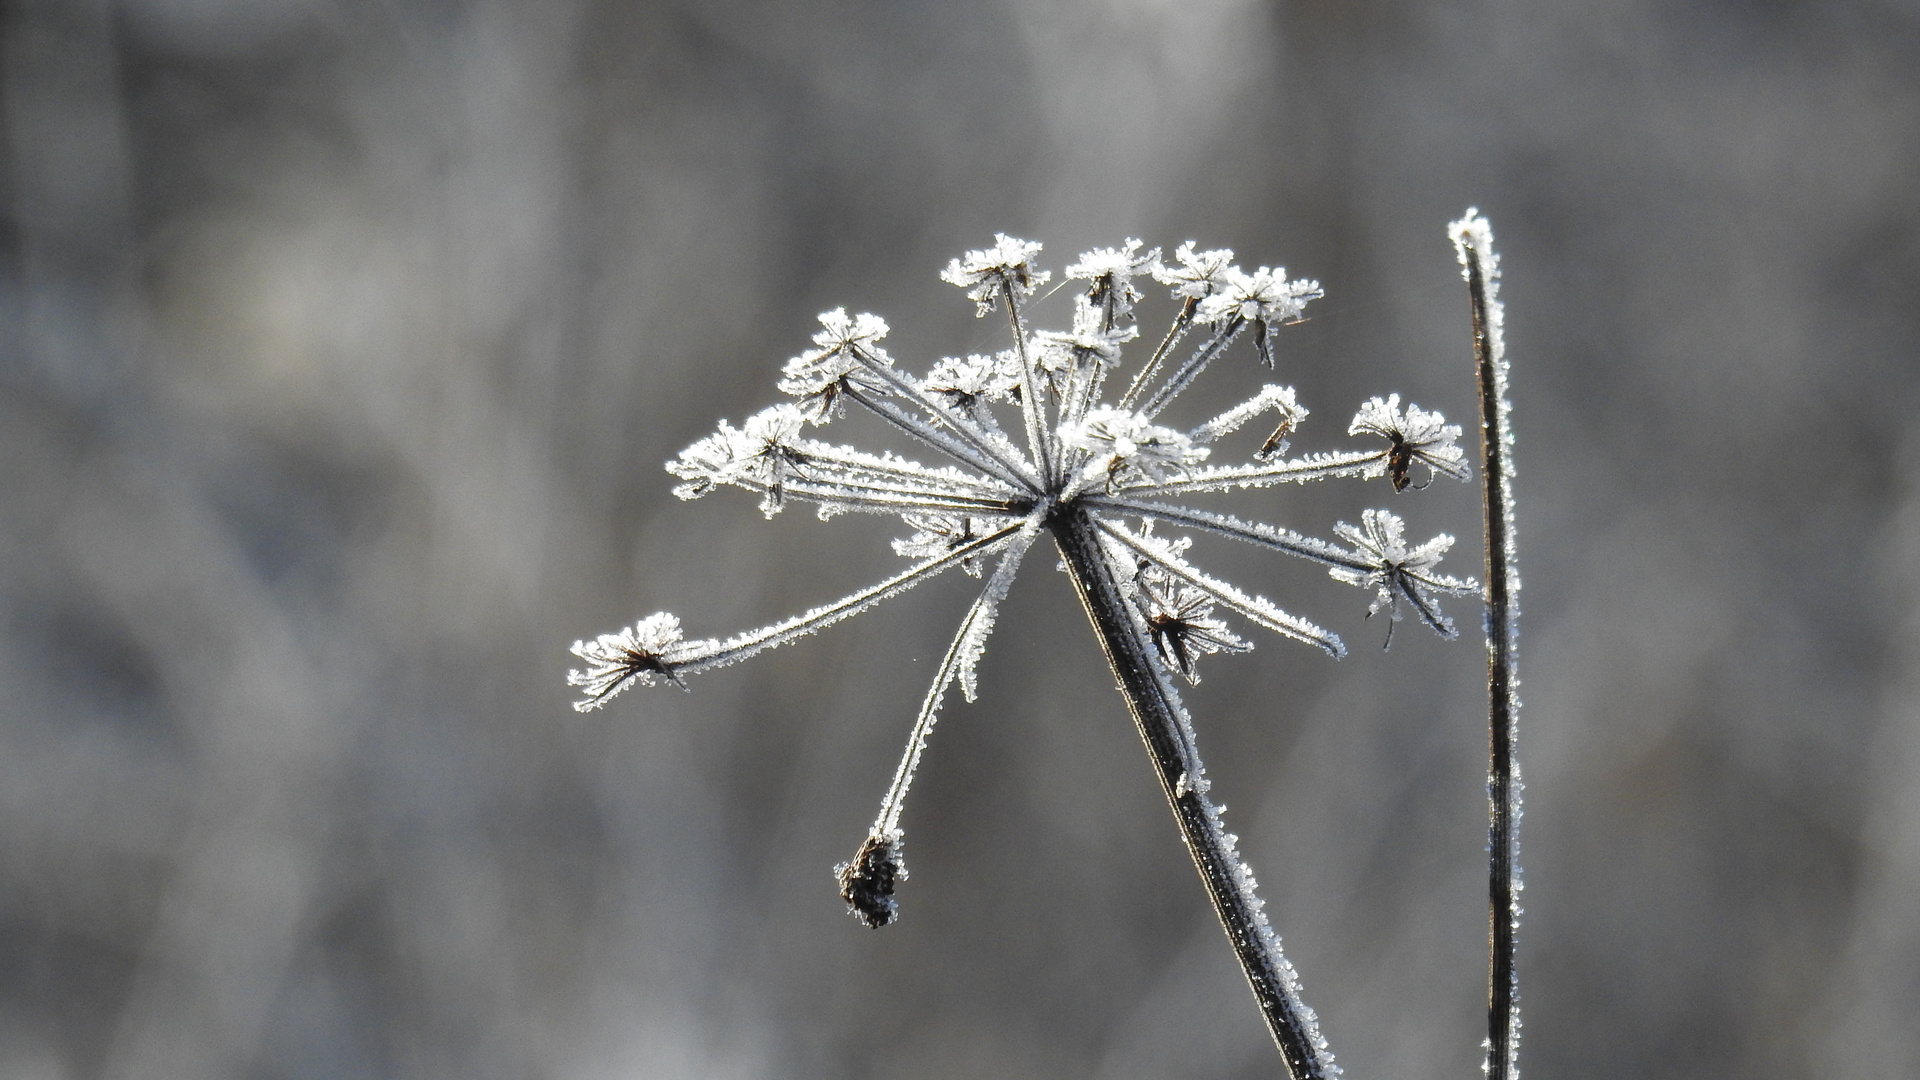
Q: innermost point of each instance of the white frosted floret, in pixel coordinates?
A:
(1425, 435)
(1059, 350)
(1195, 275)
(1397, 572)
(843, 351)
(1112, 270)
(618, 660)
(1008, 264)
(1120, 438)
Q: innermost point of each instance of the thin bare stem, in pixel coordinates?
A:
(998, 452)
(1474, 241)
(1032, 409)
(1174, 334)
(1162, 721)
(1183, 377)
(968, 452)
(1252, 532)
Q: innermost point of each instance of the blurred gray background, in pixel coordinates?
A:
(342, 341)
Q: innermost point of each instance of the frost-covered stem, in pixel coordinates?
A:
(1189, 371)
(1083, 389)
(874, 498)
(1160, 717)
(1032, 409)
(985, 459)
(1252, 532)
(1474, 241)
(968, 641)
(693, 656)
(1174, 334)
(1316, 467)
(1002, 461)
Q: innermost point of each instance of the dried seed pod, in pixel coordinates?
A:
(866, 883)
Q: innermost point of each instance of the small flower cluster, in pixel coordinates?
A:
(1076, 465)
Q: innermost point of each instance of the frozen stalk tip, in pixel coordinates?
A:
(1094, 461)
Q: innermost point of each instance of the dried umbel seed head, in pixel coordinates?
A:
(1080, 464)
(1094, 471)
(866, 883)
(1413, 435)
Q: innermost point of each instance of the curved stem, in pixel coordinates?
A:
(1164, 726)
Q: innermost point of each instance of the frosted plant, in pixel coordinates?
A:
(1095, 475)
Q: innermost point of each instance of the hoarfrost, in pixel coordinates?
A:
(843, 350)
(867, 881)
(1126, 441)
(1264, 298)
(1278, 399)
(970, 379)
(1181, 620)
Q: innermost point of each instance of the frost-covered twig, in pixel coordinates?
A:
(1168, 732)
(1473, 240)
(1087, 468)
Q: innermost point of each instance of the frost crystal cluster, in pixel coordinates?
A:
(1035, 439)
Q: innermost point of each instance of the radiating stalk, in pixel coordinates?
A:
(1474, 241)
(1032, 409)
(1162, 720)
(1174, 334)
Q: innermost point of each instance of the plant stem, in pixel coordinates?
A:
(1163, 724)
(1474, 241)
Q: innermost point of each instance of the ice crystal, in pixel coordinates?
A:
(940, 534)
(1097, 472)
(1120, 440)
(1094, 337)
(1264, 298)
(1278, 399)
(760, 453)
(970, 380)
(824, 374)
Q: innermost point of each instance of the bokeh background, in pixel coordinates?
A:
(342, 341)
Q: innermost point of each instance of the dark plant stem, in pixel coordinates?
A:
(1503, 706)
(1162, 721)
